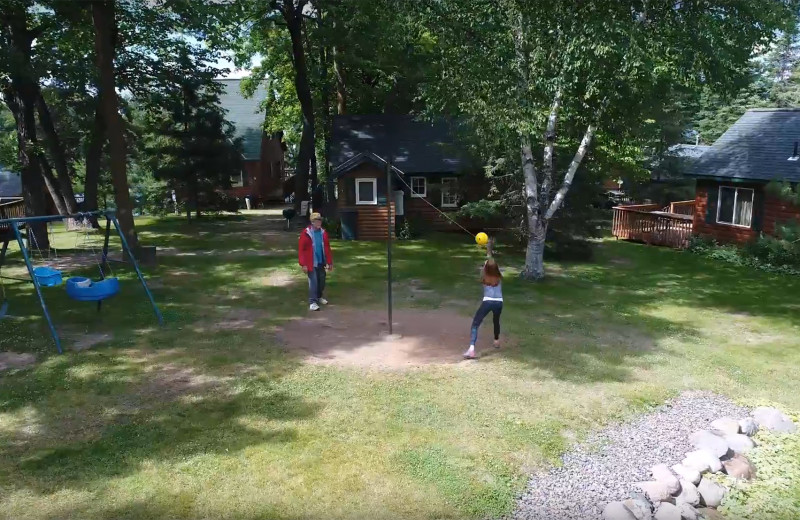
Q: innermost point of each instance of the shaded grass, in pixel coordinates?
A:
(192, 421)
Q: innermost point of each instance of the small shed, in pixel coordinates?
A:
(429, 173)
(731, 201)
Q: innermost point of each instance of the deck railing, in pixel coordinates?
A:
(683, 207)
(11, 208)
(645, 223)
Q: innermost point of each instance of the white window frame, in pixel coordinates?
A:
(419, 194)
(374, 201)
(447, 180)
(735, 201)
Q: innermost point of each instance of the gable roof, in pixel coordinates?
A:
(415, 146)
(757, 147)
(245, 114)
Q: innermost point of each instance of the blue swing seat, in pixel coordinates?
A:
(47, 276)
(94, 291)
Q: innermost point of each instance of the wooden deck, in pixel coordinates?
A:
(653, 225)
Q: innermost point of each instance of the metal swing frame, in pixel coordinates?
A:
(16, 224)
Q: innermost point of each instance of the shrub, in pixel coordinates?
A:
(564, 247)
(333, 226)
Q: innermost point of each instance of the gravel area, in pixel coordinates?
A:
(605, 467)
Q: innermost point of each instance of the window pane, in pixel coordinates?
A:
(366, 192)
(726, 199)
(744, 208)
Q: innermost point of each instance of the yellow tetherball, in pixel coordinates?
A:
(482, 239)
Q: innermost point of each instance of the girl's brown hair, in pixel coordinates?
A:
(491, 273)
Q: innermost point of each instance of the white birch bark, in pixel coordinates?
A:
(573, 167)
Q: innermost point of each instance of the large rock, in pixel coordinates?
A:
(617, 511)
(685, 473)
(773, 419)
(688, 512)
(689, 494)
(748, 426)
(666, 511)
(711, 493)
(641, 508)
(725, 425)
(739, 443)
(661, 473)
(702, 461)
(740, 467)
(707, 440)
(655, 490)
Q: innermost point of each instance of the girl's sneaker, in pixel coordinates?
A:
(470, 354)
(497, 343)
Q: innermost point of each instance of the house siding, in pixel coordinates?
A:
(371, 218)
(775, 211)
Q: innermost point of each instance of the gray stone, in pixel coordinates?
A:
(711, 493)
(707, 440)
(617, 511)
(686, 473)
(688, 512)
(725, 425)
(666, 511)
(739, 443)
(748, 426)
(689, 494)
(661, 473)
(641, 508)
(773, 419)
(702, 461)
(740, 467)
(655, 490)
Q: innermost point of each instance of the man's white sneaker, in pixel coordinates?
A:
(323, 301)
(313, 307)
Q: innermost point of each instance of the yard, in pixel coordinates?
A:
(212, 416)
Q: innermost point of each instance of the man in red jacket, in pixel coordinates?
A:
(315, 257)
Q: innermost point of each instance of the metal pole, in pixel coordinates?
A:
(389, 238)
(136, 267)
(36, 285)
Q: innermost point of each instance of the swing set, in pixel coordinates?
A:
(77, 287)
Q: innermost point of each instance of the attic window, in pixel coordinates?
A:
(794, 156)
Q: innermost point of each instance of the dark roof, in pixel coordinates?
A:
(415, 146)
(687, 150)
(245, 114)
(10, 183)
(757, 147)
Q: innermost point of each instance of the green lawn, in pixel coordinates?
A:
(193, 421)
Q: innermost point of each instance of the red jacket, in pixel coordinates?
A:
(305, 249)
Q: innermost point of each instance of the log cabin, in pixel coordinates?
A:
(732, 204)
(430, 174)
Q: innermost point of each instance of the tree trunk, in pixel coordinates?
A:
(52, 187)
(21, 108)
(293, 15)
(573, 167)
(94, 155)
(57, 154)
(537, 227)
(105, 28)
(341, 91)
(549, 151)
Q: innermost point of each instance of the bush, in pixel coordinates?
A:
(218, 202)
(563, 247)
(333, 226)
(411, 228)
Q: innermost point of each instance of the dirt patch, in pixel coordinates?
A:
(234, 318)
(279, 278)
(12, 360)
(360, 338)
(87, 341)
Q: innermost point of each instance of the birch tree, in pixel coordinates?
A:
(520, 72)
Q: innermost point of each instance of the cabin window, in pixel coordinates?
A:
(419, 187)
(366, 191)
(449, 193)
(735, 206)
(239, 180)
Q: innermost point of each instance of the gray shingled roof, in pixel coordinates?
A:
(245, 115)
(10, 184)
(757, 147)
(415, 146)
